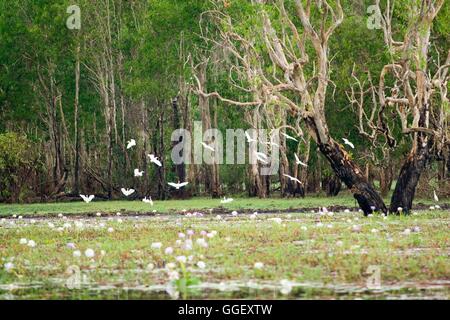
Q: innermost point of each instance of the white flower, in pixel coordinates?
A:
(303, 228)
(370, 215)
(23, 241)
(399, 209)
(110, 230)
(339, 243)
(156, 245)
(31, 243)
(181, 235)
(79, 224)
(416, 229)
(89, 253)
(372, 208)
(181, 259)
(170, 265)
(119, 220)
(320, 224)
(202, 242)
(219, 217)
(60, 215)
(201, 265)
(178, 242)
(406, 231)
(169, 250)
(210, 235)
(347, 211)
(276, 220)
(71, 245)
(77, 253)
(67, 225)
(9, 266)
(103, 252)
(234, 213)
(356, 228)
(150, 267)
(203, 233)
(190, 232)
(20, 217)
(118, 214)
(432, 207)
(173, 275)
(374, 230)
(259, 265)
(253, 216)
(286, 287)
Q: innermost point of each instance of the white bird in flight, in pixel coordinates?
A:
(298, 161)
(227, 200)
(127, 192)
(249, 139)
(131, 144)
(149, 201)
(87, 199)
(155, 160)
(435, 196)
(346, 141)
(178, 185)
(292, 178)
(207, 146)
(289, 137)
(138, 173)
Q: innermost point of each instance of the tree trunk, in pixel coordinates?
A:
(409, 178)
(76, 129)
(368, 199)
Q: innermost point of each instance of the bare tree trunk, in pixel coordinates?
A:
(76, 118)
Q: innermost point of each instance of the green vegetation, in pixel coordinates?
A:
(322, 256)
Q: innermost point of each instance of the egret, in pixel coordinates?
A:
(298, 161)
(178, 185)
(292, 178)
(249, 139)
(138, 173)
(289, 137)
(154, 160)
(347, 142)
(207, 146)
(131, 144)
(127, 192)
(149, 201)
(226, 200)
(87, 199)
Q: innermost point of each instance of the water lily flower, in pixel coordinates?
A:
(77, 253)
(71, 245)
(156, 245)
(9, 266)
(259, 265)
(89, 253)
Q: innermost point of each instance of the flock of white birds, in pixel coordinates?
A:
(260, 156)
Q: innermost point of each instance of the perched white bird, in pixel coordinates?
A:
(298, 161)
(249, 139)
(131, 144)
(226, 200)
(292, 178)
(87, 199)
(155, 160)
(178, 185)
(435, 196)
(149, 201)
(289, 137)
(347, 142)
(138, 173)
(207, 146)
(127, 192)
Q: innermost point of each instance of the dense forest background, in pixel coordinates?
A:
(71, 99)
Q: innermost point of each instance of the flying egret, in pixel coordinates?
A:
(127, 192)
(138, 173)
(131, 144)
(347, 142)
(149, 201)
(178, 185)
(155, 160)
(207, 146)
(87, 199)
(227, 200)
(250, 139)
(297, 160)
(292, 178)
(289, 137)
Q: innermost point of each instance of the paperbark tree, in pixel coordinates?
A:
(290, 84)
